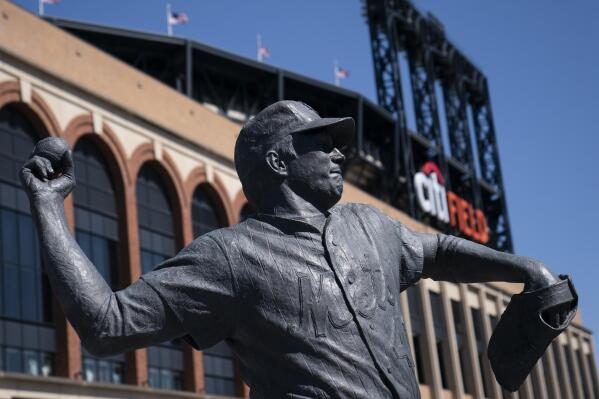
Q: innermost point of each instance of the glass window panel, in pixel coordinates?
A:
(32, 363)
(9, 238)
(118, 372)
(14, 333)
(419, 354)
(101, 257)
(14, 360)
(11, 291)
(84, 241)
(167, 380)
(30, 335)
(146, 261)
(96, 223)
(26, 241)
(89, 370)
(204, 213)
(47, 364)
(154, 377)
(23, 203)
(23, 142)
(47, 339)
(104, 371)
(29, 301)
(48, 312)
(157, 259)
(593, 369)
(8, 197)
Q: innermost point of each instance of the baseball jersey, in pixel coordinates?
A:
(311, 313)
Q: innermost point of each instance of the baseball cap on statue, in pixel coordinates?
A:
(281, 119)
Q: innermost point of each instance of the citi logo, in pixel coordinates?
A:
(447, 206)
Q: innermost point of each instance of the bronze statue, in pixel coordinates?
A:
(306, 292)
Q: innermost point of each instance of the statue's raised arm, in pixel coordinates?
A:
(107, 322)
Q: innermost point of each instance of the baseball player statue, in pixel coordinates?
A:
(306, 291)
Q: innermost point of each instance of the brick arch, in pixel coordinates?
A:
(216, 192)
(45, 113)
(10, 92)
(109, 145)
(170, 177)
(37, 111)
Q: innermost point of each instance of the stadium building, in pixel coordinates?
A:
(153, 121)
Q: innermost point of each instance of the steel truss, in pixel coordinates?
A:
(398, 29)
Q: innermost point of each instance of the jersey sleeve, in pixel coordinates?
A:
(412, 255)
(197, 285)
(407, 245)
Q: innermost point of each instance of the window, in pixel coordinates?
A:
(593, 369)
(505, 394)
(96, 231)
(481, 344)
(110, 369)
(580, 360)
(219, 367)
(460, 332)
(441, 337)
(157, 243)
(570, 366)
(154, 215)
(415, 306)
(165, 365)
(559, 367)
(27, 341)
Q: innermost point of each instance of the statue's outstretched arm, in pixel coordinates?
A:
(107, 322)
(449, 258)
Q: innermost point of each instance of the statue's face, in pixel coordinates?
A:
(315, 174)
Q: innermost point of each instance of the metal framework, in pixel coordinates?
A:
(471, 164)
(385, 155)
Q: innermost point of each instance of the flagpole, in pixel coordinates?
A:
(259, 47)
(169, 27)
(40, 7)
(336, 72)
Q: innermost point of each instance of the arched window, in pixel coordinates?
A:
(219, 368)
(157, 243)
(27, 339)
(204, 215)
(97, 232)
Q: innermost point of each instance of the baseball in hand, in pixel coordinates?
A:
(53, 149)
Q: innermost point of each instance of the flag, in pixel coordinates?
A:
(176, 18)
(341, 73)
(263, 51)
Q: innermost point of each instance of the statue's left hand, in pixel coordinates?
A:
(49, 173)
(541, 277)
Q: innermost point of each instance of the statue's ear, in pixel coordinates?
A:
(276, 164)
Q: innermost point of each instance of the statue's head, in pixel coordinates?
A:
(288, 143)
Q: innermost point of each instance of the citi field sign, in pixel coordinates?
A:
(447, 206)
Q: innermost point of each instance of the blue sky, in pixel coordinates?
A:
(541, 58)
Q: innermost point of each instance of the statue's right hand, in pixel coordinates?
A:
(49, 175)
